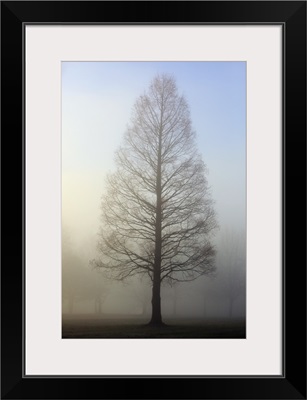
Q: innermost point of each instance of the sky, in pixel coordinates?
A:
(97, 100)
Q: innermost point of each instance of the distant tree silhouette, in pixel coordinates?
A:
(79, 283)
(157, 213)
(72, 274)
(140, 290)
(233, 268)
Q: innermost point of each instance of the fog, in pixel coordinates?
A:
(87, 293)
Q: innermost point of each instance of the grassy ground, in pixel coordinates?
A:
(77, 327)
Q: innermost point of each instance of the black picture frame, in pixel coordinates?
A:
(292, 16)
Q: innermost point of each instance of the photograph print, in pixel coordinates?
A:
(154, 200)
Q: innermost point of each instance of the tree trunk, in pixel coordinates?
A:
(98, 308)
(156, 318)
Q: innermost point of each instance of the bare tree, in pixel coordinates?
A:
(96, 289)
(72, 273)
(79, 283)
(157, 214)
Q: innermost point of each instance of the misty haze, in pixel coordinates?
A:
(153, 200)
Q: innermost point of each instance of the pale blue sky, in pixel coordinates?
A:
(97, 99)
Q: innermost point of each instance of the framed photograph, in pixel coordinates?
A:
(111, 289)
(154, 219)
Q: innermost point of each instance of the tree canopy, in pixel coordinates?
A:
(157, 211)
